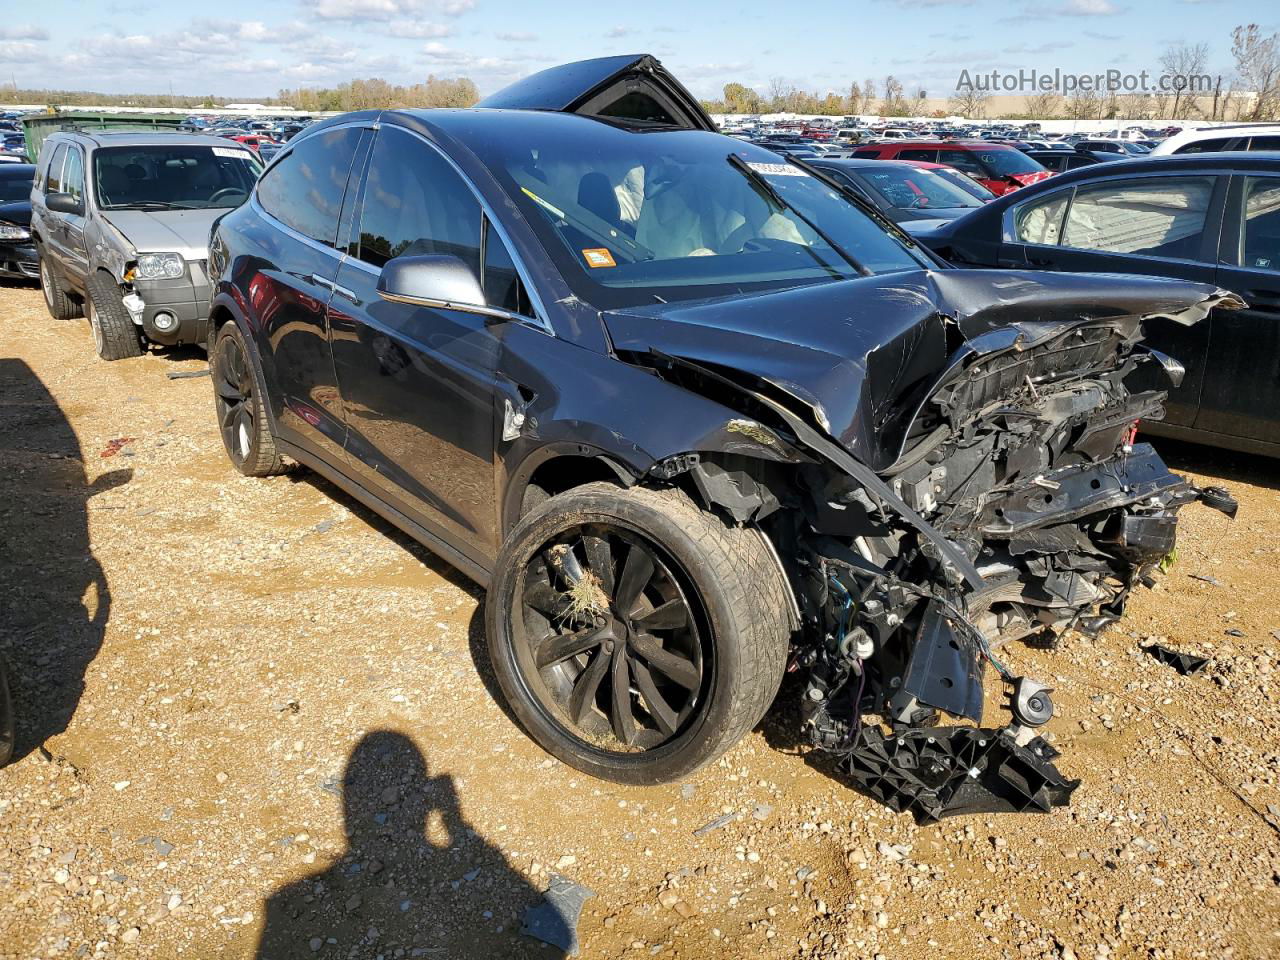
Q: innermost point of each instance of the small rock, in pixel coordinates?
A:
(565, 862)
(762, 811)
(683, 908)
(315, 944)
(131, 935)
(669, 898)
(120, 784)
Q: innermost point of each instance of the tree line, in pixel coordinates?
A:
(1249, 91)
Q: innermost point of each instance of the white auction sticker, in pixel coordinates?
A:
(777, 169)
(228, 152)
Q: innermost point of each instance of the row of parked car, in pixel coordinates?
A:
(693, 411)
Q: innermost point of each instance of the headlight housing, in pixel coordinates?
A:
(11, 231)
(160, 266)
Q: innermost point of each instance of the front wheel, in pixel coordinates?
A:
(114, 334)
(636, 636)
(241, 407)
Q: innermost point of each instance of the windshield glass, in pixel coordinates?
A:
(965, 183)
(178, 176)
(13, 189)
(907, 189)
(633, 218)
(1007, 161)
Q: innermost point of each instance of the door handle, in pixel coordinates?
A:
(333, 287)
(1262, 299)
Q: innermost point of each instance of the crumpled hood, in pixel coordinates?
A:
(167, 231)
(857, 351)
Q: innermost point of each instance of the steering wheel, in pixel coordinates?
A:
(219, 194)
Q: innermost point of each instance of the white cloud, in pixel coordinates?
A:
(518, 36)
(1089, 8)
(615, 33)
(17, 50)
(384, 10)
(418, 30)
(23, 32)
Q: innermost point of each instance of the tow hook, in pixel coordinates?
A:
(1219, 499)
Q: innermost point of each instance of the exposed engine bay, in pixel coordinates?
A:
(1006, 498)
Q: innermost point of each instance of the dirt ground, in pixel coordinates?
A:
(258, 721)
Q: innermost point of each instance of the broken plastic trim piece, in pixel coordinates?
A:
(1185, 663)
(939, 772)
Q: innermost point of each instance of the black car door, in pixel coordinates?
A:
(294, 280)
(1155, 225)
(418, 383)
(1241, 396)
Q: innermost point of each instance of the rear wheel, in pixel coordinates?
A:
(114, 334)
(61, 306)
(636, 636)
(241, 406)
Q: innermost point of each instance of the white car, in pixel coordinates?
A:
(1238, 136)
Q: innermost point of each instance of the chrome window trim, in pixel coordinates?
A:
(540, 321)
(301, 237)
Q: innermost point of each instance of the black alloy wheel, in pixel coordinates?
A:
(613, 646)
(240, 406)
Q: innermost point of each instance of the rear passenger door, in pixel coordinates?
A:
(1241, 395)
(1163, 226)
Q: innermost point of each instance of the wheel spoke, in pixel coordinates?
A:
(231, 414)
(228, 390)
(659, 709)
(666, 616)
(585, 687)
(624, 724)
(547, 600)
(682, 671)
(557, 648)
(635, 575)
(600, 560)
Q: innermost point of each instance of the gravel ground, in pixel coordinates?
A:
(257, 721)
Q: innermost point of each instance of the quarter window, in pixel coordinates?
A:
(1260, 242)
(1264, 143)
(415, 204)
(1150, 217)
(927, 156)
(1041, 221)
(305, 189)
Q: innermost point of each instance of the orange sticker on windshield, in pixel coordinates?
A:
(598, 257)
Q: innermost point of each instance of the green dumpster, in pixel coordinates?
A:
(37, 126)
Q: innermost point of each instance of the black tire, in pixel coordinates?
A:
(734, 591)
(61, 306)
(240, 402)
(115, 336)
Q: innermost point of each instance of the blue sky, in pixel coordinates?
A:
(248, 48)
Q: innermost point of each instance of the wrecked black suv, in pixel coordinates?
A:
(697, 417)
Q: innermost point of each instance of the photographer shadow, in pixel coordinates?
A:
(415, 876)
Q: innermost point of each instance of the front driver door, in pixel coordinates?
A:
(418, 383)
(1242, 389)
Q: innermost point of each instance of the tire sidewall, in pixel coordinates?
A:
(703, 741)
(230, 332)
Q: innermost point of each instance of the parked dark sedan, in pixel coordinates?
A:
(907, 193)
(17, 252)
(1060, 161)
(1213, 218)
(693, 416)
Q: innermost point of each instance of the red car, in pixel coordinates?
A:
(997, 167)
(252, 140)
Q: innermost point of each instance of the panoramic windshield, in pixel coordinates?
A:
(918, 189)
(13, 189)
(638, 218)
(175, 177)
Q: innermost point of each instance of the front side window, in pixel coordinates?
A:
(53, 184)
(928, 156)
(501, 281)
(1151, 217)
(1264, 143)
(415, 204)
(1041, 220)
(1205, 146)
(1260, 239)
(73, 173)
(173, 177)
(963, 161)
(304, 190)
(916, 189)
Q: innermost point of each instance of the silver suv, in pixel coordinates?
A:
(121, 224)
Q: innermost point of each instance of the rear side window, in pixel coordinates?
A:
(1041, 221)
(1260, 242)
(53, 183)
(928, 156)
(871, 152)
(305, 189)
(1151, 217)
(1264, 143)
(1205, 146)
(416, 205)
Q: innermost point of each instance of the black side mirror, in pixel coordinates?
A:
(64, 203)
(442, 281)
